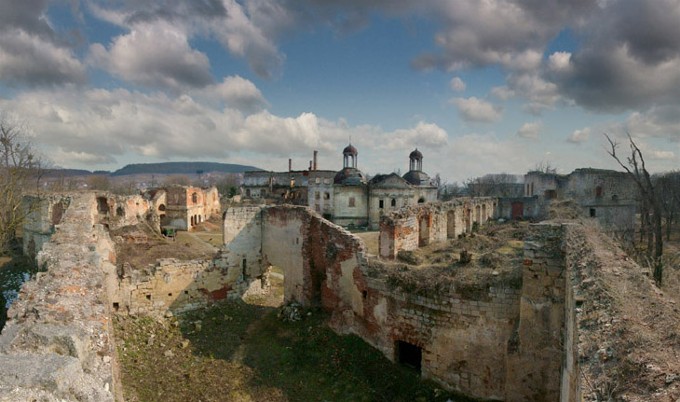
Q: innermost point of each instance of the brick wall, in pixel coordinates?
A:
(416, 226)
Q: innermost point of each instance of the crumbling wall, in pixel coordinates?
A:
(57, 343)
(535, 353)
(417, 226)
(462, 331)
(177, 286)
(42, 214)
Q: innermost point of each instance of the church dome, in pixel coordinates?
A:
(350, 150)
(415, 154)
(417, 178)
(350, 176)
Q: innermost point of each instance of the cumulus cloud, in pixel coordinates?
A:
(477, 110)
(424, 134)
(530, 130)
(31, 52)
(249, 29)
(236, 92)
(83, 128)
(457, 84)
(30, 60)
(156, 55)
(631, 58)
(506, 32)
(579, 136)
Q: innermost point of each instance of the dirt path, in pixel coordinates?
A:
(630, 330)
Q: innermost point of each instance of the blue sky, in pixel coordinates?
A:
(478, 86)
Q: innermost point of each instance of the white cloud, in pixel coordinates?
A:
(237, 92)
(156, 55)
(457, 84)
(84, 128)
(664, 155)
(477, 110)
(424, 134)
(579, 136)
(530, 130)
(29, 59)
(560, 62)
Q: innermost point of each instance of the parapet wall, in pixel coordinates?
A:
(57, 343)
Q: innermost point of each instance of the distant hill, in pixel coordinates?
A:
(181, 168)
(66, 172)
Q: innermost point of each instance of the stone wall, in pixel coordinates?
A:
(420, 225)
(508, 337)
(176, 286)
(461, 332)
(58, 342)
(42, 214)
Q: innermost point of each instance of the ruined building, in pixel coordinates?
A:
(511, 334)
(345, 197)
(606, 196)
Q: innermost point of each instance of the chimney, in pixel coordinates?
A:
(310, 166)
(290, 165)
(315, 154)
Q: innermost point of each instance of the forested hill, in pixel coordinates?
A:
(181, 168)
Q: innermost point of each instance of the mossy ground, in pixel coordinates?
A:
(243, 352)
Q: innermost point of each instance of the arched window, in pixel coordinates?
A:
(194, 198)
(393, 203)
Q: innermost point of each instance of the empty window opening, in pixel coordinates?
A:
(326, 196)
(194, 198)
(244, 265)
(169, 294)
(102, 205)
(424, 231)
(393, 203)
(116, 306)
(161, 207)
(120, 212)
(148, 297)
(381, 204)
(409, 355)
(421, 200)
(186, 292)
(598, 191)
(592, 212)
(364, 294)
(451, 225)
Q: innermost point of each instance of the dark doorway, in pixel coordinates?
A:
(517, 210)
(102, 205)
(409, 355)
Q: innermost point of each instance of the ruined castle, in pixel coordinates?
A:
(504, 337)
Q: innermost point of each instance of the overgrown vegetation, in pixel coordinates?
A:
(20, 170)
(495, 251)
(241, 352)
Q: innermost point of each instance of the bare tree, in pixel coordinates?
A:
(495, 185)
(19, 172)
(668, 190)
(650, 207)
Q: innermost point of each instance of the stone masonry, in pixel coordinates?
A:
(57, 343)
(502, 338)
